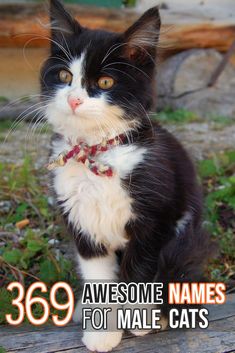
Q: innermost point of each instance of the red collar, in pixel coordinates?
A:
(83, 153)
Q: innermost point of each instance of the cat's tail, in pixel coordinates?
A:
(183, 259)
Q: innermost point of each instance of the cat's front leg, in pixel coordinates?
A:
(101, 269)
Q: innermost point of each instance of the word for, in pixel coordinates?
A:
(128, 319)
(121, 293)
(29, 300)
(196, 293)
(188, 318)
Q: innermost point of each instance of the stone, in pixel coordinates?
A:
(182, 83)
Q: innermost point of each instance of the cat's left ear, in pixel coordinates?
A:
(62, 23)
(142, 37)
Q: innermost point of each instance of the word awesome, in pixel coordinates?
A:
(122, 293)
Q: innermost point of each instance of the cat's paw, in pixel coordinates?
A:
(163, 322)
(101, 341)
(140, 332)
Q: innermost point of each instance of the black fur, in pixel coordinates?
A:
(165, 187)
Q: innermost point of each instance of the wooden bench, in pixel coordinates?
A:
(203, 24)
(218, 338)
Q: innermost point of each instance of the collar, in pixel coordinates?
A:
(83, 153)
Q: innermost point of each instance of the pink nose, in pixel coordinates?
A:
(74, 102)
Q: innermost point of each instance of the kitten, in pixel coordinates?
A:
(135, 206)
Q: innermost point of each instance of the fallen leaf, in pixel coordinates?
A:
(22, 224)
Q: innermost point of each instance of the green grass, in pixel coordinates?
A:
(182, 116)
(5, 125)
(28, 254)
(3, 99)
(179, 116)
(218, 179)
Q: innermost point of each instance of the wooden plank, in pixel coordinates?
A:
(182, 29)
(218, 337)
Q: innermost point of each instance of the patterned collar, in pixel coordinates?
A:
(83, 153)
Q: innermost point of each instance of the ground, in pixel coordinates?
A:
(33, 241)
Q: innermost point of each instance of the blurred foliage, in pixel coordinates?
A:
(182, 116)
(179, 116)
(33, 253)
(218, 179)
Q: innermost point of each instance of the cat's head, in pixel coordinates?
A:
(97, 83)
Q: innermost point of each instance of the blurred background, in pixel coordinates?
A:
(196, 101)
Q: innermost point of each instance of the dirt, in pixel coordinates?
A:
(20, 144)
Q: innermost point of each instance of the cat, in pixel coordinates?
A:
(135, 206)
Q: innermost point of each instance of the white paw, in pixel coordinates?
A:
(101, 341)
(140, 332)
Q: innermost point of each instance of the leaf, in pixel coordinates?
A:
(231, 202)
(6, 306)
(2, 350)
(22, 223)
(207, 168)
(12, 256)
(27, 255)
(35, 245)
(231, 156)
(21, 208)
(48, 271)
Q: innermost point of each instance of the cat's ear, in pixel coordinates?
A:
(142, 37)
(62, 23)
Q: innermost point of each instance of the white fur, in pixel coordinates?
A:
(93, 120)
(101, 341)
(99, 268)
(98, 205)
(103, 268)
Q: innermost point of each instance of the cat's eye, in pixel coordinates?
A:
(65, 76)
(105, 82)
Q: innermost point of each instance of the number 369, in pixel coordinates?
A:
(29, 300)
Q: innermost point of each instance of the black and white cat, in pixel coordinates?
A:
(142, 221)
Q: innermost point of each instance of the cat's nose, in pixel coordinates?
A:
(74, 102)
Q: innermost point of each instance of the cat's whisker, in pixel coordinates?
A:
(37, 114)
(46, 38)
(33, 125)
(29, 135)
(41, 128)
(22, 116)
(38, 131)
(21, 99)
(123, 72)
(143, 109)
(127, 64)
(66, 43)
(50, 69)
(112, 49)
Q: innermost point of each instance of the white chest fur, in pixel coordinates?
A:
(99, 206)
